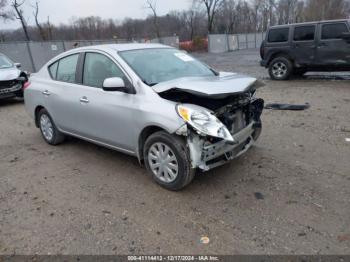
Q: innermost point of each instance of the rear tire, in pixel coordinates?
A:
(168, 161)
(48, 128)
(280, 68)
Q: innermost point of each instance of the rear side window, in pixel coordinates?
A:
(278, 35)
(66, 69)
(304, 33)
(53, 70)
(334, 31)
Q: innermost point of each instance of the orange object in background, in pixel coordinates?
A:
(198, 44)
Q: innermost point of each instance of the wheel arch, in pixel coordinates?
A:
(280, 54)
(144, 135)
(23, 74)
(36, 113)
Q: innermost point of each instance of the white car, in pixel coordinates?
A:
(11, 78)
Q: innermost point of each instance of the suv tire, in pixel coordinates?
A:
(168, 161)
(48, 128)
(280, 68)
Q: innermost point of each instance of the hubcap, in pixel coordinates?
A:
(279, 69)
(163, 162)
(46, 127)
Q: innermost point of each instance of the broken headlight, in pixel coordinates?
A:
(203, 121)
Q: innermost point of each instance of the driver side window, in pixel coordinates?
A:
(97, 68)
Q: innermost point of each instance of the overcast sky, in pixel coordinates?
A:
(60, 11)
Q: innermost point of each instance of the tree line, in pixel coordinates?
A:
(203, 17)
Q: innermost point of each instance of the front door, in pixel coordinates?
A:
(106, 117)
(332, 50)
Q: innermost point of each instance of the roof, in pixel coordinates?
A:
(122, 47)
(313, 22)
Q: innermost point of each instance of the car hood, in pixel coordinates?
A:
(213, 86)
(7, 74)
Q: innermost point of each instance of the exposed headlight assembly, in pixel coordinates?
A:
(204, 122)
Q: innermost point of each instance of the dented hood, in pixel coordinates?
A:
(7, 74)
(213, 86)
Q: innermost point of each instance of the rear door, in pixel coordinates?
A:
(303, 44)
(62, 95)
(332, 50)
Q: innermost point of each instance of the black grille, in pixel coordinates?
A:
(8, 84)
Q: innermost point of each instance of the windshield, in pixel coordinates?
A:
(154, 66)
(5, 62)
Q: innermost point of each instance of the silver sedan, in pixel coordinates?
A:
(161, 105)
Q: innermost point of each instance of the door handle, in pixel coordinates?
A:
(46, 93)
(322, 45)
(84, 100)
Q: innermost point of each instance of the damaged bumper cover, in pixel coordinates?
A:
(207, 156)
(207, 153)
(11, 87)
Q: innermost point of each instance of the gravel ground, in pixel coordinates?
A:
(289, 195)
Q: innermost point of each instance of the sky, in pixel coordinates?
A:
(61, 11)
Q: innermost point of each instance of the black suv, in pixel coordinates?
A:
(297, 48)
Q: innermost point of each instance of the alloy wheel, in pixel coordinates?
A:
(279, 69)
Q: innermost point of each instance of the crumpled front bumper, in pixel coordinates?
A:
(207, 153)
(208, 156)
(10, 88)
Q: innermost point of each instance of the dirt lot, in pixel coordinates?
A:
(288, 195)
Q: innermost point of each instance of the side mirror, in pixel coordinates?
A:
(346, 36)
(114, 84)
(18, 65)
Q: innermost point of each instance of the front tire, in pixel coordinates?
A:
(167, 160)
(280, 68)
(48, 129)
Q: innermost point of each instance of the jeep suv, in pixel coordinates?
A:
(297, 48)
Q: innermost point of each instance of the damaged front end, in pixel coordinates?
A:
(11, 87)
(245, 127)
(219, 130)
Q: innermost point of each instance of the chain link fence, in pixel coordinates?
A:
(221, 43)
(33, 55)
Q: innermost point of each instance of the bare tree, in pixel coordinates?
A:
(190, 20)
(327, 9)
(152, 4)
(4, 13)
(16, 4)
(49, 28)
(38, 25)
(211, 7)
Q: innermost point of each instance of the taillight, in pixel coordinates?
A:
(26, 84)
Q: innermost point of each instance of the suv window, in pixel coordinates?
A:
(333, 31)
(278, 35)
(97, 68)
(66, 68)
(304, 33)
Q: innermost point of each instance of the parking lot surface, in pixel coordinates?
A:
(289, 195)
